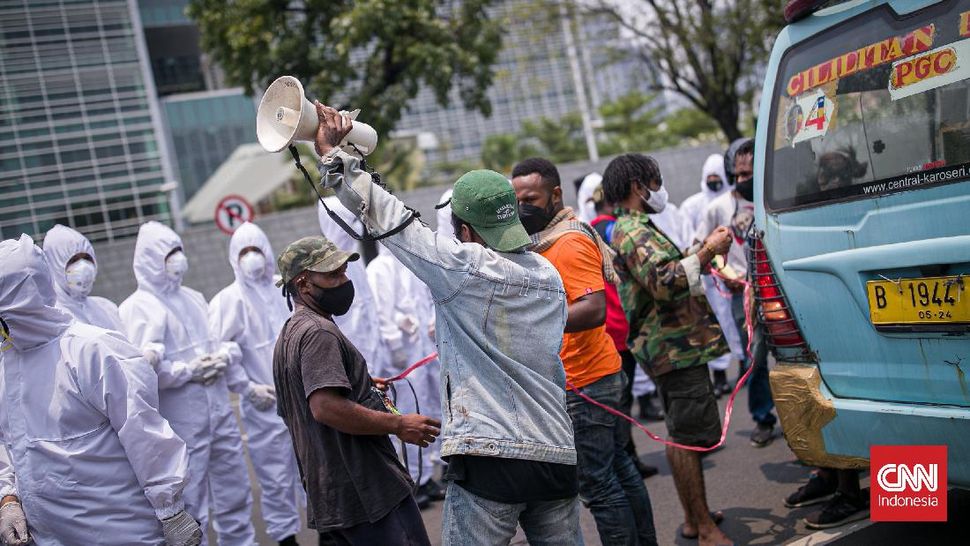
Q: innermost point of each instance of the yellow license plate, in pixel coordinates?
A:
(929, 300)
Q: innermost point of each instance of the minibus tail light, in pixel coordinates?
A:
(780, 327)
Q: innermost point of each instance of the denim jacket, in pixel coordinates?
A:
(500, 318)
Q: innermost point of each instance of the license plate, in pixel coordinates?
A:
(927, 301)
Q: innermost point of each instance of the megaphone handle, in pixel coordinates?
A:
(336, 217)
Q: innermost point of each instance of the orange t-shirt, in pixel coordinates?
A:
(588, 355)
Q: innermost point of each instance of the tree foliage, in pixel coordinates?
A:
(636, 122)
(711, 52)
(370, 54)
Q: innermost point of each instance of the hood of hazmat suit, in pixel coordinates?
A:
(91, 458)
(61, 244)
(360, 324)
(585, 208)
(692, 207)
(252, 310)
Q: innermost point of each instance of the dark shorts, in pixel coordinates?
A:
(402, 527)
(693, 418)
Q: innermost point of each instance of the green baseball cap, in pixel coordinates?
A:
(311, 254)
(486, 200)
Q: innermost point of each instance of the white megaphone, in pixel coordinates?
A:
(285, 115)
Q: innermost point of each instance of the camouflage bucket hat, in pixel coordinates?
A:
(486, 200)
(311, 254)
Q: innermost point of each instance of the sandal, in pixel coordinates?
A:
(717, 516)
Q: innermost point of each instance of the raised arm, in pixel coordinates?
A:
(440, 262)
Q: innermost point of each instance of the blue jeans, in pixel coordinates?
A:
(470, 520)
(609, 483)
(760, 402)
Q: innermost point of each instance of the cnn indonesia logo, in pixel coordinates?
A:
(908, 483)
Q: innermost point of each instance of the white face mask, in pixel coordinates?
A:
(80, 278)
(176, 265)
(253, 264)
(657, 201)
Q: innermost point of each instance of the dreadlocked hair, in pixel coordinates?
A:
(288, 290)
(624, 171)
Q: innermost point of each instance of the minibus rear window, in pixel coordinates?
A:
(871, 107)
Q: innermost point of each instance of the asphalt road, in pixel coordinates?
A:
(748, 484)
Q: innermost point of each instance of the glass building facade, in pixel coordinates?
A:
(533, 80)
(80, 131)
(204, 121)
(205, 128)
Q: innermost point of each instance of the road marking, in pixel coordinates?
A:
(826, 536)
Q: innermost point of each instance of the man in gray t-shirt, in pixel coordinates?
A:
(357, 490)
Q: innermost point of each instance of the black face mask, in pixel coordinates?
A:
(746, 189)
(335, 301)
(715, 185)
(534, 219)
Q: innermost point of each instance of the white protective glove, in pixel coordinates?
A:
(181, 530)
(262, 397)
(206, 369)
(13, 524)
(154, 353)
(408, 324)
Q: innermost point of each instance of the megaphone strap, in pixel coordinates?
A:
(366, 236)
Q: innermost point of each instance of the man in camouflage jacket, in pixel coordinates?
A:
(673, 331)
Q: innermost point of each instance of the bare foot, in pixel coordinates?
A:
(689, 531)
(713, 538)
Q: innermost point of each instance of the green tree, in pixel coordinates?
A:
(560, 140)
(631, 124)
(711, 52)
(370, 54)
(501, 152)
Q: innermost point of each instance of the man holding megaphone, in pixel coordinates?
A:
(500, 310)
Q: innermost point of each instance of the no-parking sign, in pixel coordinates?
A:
(232, 212)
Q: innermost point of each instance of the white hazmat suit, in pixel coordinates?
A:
(251, 312)
(443, 215)
(93, 461)
(360, 324)
(168, 315)
(61, 244)
(585, 208)
(692, 209)
(671, 223)
(407, 329)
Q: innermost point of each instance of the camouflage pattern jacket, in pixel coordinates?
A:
(671, 324)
